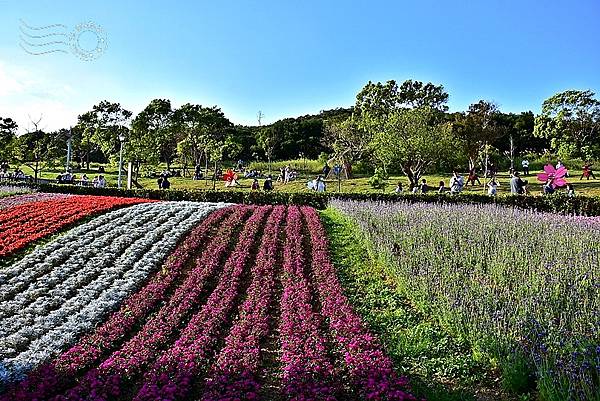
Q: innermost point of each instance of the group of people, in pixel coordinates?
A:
(318, 184)
(267, 185)
(286, 174)
(17, 174)
(163, 181)
(69, 178)
(456, 186)
(518, 186)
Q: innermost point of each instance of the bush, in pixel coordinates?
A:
(312, 166)
(579, 205)
(315, 200)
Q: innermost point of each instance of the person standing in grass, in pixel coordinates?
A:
(268, 184)
(321, 185)
(492, 187)
(516, 184)
(587, 172)
(525, 166)
(473, 177)
(166, 184)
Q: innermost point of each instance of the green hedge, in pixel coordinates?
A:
(580, 205)
(318, 201)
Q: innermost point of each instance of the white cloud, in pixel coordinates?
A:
(9, 84)
(25, 95)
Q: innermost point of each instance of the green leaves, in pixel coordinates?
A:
(571, 120)
(8, 136)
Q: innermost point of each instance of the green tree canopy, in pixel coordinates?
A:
(153, 138)
(200, 128)
(8, 138)
(479, 127)
(99, 129)
(571, 121)
(412, 140)
(379, 99)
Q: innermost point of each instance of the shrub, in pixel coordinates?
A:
(579, 205)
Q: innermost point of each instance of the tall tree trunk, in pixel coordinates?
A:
(206, 167)
(215, 177)
(87, 155)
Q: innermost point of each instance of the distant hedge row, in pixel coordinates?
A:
(580, 205)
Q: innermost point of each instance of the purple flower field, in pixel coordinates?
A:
(522, 287)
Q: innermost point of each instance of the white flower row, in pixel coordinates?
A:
(52, 275)
(43, 259)
(46, 327)
(79, 276)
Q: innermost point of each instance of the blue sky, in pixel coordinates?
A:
(292, 58)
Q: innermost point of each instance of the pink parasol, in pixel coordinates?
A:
(556, 177)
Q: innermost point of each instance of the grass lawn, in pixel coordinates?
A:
(358, 184)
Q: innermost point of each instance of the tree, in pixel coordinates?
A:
(99, 129)
(412, 139)
(198, 128)
(380, 99)
(153, 137)
(36, 148)
(571, 121)
(479, 127)
(8, 138)
(268, 140)
(377, 103)
(349, 142)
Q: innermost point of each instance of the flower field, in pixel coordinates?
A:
(523, 288)
(27, 221)
(179, 301)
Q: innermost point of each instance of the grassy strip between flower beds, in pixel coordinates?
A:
(440, 366)
(580, 205)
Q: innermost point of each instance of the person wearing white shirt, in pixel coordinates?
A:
(321, 185)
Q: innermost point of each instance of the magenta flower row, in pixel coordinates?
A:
(107, 381)
(307, 371)
(233, 377)
(174, 372)
(370, 369)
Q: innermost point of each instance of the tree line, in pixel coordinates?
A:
(403, 128)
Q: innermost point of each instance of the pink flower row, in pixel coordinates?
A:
(16, 200)
(137, 354)
(371, 371)
(51, 378)
(233, 377)
(307, 371)
(173, 373)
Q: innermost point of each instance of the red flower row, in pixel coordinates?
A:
(173, 373)
(23, 224)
